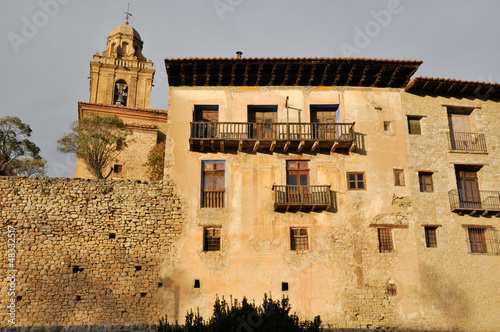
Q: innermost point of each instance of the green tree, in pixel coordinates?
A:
(156, 162)
(93, 139)
(271, 316)
(14, 144)
(29, 167)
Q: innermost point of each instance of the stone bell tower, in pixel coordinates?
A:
(121, 75)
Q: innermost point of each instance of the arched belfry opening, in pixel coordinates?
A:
(121, 75)
(121, 93)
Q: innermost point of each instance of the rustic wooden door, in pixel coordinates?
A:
(459, 131)
(263, 123)
(205, 120)
(468, 189)
(298, 181)
(324, 124)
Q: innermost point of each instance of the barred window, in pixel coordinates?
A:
(483, 240)
(385, 240)
(211, 239)
(430, 237)
(299, 239)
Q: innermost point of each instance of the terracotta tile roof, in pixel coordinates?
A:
(454, 88)
(290, 72)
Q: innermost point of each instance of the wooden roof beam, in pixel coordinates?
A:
(207, 74)
(393, 76)
(183, 74)
(351, 74)
(325, 72)
(379, 75)
(233, 74)
(220, 75)
(195, 75)
(247, 69)
(299, 75)
(311, 76)
(337, 74)
(287, 73)
(259, 74)
(363, 75)
(273, 74)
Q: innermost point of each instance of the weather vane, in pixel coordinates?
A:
(127, 13)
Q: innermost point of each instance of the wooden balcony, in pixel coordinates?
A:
(475, 201)
(302, 198)
(278, 137)
(467, 142)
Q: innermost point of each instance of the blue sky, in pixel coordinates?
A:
(46, 45)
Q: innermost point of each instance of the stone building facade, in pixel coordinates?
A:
(363, 195)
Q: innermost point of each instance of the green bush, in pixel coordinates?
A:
(245, 317)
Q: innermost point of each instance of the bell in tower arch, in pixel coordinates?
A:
(121, 92)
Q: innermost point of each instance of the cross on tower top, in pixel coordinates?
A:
(127, 13)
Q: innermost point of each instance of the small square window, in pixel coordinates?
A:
(425, 181)
(211, 239)
(385, 240)
(117, 169)
(356, 181)
(399, 177)
(414, 125)
(430, 237)
(387, 126)
(299, 239)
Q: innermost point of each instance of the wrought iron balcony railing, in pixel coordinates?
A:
(475, 201)
(467, 142)
(289, 197)
(218, 136)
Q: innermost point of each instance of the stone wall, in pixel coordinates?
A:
(87, 251)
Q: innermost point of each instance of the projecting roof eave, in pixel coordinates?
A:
(290, 72)
(454, 88)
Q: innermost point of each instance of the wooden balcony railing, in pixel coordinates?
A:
(467, 142)
(289, 197)
(218, 136)
(475, 201)
(213, 198)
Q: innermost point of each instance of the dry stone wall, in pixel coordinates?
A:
(87, 251)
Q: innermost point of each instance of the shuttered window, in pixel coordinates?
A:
(425, 181)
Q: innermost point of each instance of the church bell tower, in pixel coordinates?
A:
(121, 75)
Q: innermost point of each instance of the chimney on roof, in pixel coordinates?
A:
(239, 54)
